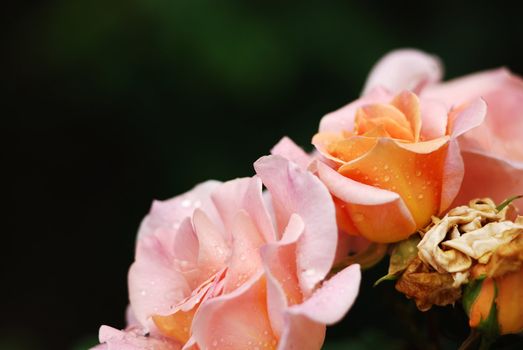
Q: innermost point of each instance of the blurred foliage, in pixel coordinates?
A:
(110, 104)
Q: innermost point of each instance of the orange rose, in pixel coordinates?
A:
(392, 162)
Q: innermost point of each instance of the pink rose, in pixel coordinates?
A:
(492, 152)
(227, 266)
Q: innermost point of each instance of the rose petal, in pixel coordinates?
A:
(297, 191)
(490, 177)
(404, 69)
(155, 286)
(467, 117)
(301, 333)
(343, 118)
(132, 339)
(416, 177)
(332, 301)
(237, 320)
(408, 103)
(291, 151)
(434, 115)
(245, 258)
(378, 214)
(243, 194)
(279, 261)
(453, 172)
(172, 212)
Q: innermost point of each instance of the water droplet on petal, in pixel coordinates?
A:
(186, 203)
(420, 196)
(358, 217)
(386, 178)
(418, 173)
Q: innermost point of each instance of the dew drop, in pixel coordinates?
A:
(386, 167)
(393, 188)
(366, 177)
(420, 196)
(358, 217)
(374, 168)
(386, 178)
(215, 343)
(418, 173)
(186, 203)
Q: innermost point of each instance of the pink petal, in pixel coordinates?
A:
(294, 190)
(386, 210)
(235, 321)
(213, 249)
(301, 333)
(291, 151)
(245, 260)
(453, 170)
(132, 339)
(155, 285)
(343, 118)
(279, 260)
(464, 89)
(332, 301)
(170, 213)
(283, 290)
(404, 69)
(470, 117)
(243, 194)
(434, 116)
(486, 176)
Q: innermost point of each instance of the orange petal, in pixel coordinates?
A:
(481, 307)
(388, 116)
(377, 214)
(509, 300)
(408, 103)
(415, 177)
(177, 325)
(351, 148)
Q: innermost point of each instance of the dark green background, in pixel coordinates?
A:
(111, 103)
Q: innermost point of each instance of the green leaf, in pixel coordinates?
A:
(507, 202)
(388, 277)
(403, 253)
(401, 256)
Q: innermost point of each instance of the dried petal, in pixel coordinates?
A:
(427, 287)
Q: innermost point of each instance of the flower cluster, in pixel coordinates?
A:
(232, 266)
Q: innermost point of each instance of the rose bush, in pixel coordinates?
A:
(224, 266)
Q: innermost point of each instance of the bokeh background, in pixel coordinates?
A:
(110, 104)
